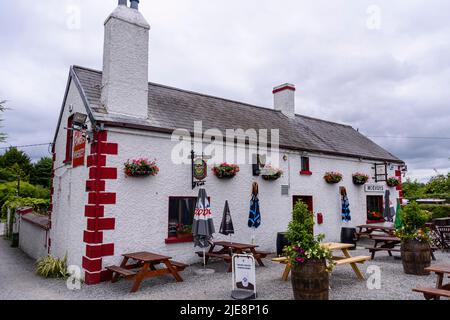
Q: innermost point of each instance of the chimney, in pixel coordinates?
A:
(284, 99)
(125, 62)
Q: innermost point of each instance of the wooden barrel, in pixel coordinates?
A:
(416, 256)
(310, 280)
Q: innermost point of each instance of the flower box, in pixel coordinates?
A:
(393, 182)
(360, 179)
(271, 174)
(333, 177)
(141, 168)
(226, 171)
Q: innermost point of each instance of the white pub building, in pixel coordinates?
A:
(115, 115)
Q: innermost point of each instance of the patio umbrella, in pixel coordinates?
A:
(254, 219)
(203, 227)
(226, 228)
(387, 207)
(398, 218)
(346, 217)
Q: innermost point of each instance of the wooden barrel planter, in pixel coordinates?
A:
(310, 280)
(416, 256)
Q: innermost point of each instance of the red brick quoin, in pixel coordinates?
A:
(96, 220)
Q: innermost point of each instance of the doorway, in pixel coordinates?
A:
(308, 200)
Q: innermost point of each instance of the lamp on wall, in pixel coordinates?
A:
(79, 120)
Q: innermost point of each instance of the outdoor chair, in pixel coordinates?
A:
(444, 233)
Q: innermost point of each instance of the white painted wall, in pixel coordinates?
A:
(69, 199)
(32, 240)
(141, 211)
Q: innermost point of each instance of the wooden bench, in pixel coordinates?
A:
(180, 266)
(433, 293)
(126, 273)
(222, 256)
(396, 249)
(359, 259)
(261, 254)
(337, 260)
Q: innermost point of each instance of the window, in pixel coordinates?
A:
(305, 166)
(375, 208)
(181, 218)
(69, 142)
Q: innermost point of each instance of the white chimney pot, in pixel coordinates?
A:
(284, 99)
(125, 63)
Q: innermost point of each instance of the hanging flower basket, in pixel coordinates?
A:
(141, 168)
(226, 171)
(360, 179)
(271, 174)
(393, 182)
(333, 177)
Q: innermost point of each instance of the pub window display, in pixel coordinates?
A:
(181, 217)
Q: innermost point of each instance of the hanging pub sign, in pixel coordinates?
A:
(79, 148)
(199, 169)
(244, 277)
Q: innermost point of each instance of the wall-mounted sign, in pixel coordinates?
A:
(374, 188)
(244, 277)
(199, 169)
(381, 172)
(79, 149)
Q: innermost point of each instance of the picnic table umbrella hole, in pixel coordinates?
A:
(203, 227)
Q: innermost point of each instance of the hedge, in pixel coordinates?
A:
(437, 211)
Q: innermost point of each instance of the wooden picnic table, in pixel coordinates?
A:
(441, 289)
(390, 244)
(230, 248)
(368, 229)
(145, 264)
(338, 260)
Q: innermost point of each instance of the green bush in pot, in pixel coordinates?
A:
(310, 261)
(415, 249)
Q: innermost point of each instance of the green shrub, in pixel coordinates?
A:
(437, 211)
(413, 223)
(39, 205)
(305, 246)
(9, 190)
(50, 267)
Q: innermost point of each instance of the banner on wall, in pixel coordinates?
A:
(79, 149)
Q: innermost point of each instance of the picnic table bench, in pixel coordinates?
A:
(145, 266)
(440, 290)
(389, 244)
(230, 248)
(338, 260)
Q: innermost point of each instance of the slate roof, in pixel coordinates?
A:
(171, 108)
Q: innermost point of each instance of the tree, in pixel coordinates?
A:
(2, 109)
(16, 160)
(41, 172)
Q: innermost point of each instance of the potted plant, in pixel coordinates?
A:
(415, 249)
(374, 217)
(333, 177)
(393, 182)
(311, 262)
(141, 168)
(270, 173)
(360, 179)
(184, 231)
(226, 171)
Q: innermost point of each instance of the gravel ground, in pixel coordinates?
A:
(18, 281)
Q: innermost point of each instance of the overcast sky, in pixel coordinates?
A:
(380, 66)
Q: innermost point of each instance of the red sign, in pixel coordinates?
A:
(79, 149)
